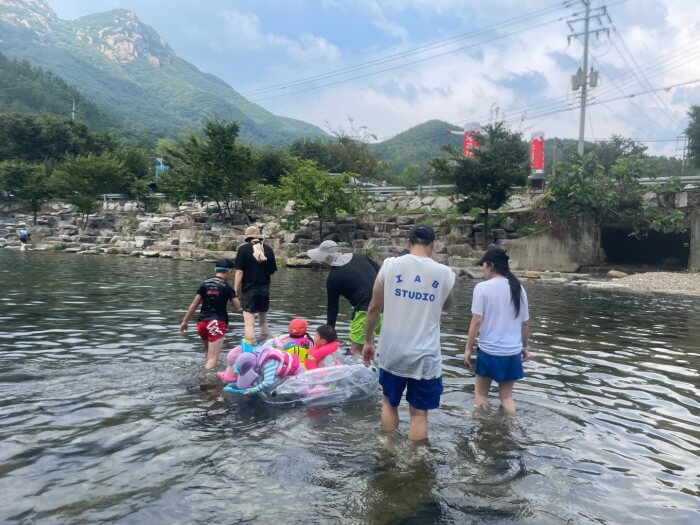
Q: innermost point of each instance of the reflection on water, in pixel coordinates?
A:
(107, 416)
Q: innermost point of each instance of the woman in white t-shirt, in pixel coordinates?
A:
(499, 317)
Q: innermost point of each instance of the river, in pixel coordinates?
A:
(107, 417)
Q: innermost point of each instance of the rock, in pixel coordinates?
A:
(151, 253)
(112, 250)
(509, 224)
(289, 207)
(531, 274)
(442, 204)
(428, 200)
(474, 272)
(616, 274)
(461, 250)
(142, 242)
(405, 220)
(414, 204)
(390, 205)
(299, 262)
(499, 233)
(650, 198)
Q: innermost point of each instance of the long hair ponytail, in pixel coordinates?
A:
(502, 268)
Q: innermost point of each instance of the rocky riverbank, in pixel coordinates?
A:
(673, 283)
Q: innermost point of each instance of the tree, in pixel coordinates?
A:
(271, 163)
(80, 180)
(316, 192)
(616, 196)
(693, 132)
(36, 138)
(28, 183)
(213, 166)
(500, 162)
(138, 167)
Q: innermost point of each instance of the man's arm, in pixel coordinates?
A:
(271, 261)
(471, 338)
(333, 301)
(237, 278)
(375, 307)
(190, 312)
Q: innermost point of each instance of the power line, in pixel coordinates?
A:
(413, 62)
(557, 111)
(641, 72)
(416, 50)
(205, 102)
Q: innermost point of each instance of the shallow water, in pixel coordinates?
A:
(106, 415)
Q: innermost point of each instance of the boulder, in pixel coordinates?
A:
(151, 253)
(405, 220)
(142, 242)
(299, 262)
(531, 274)
(461, 250)
(499, 233)
(428, 200)
(414, 204)
(509, 224)
(442, 204)
(616, 274)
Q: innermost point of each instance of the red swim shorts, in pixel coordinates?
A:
(212, 330)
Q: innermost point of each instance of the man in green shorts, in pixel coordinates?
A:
(351, 275)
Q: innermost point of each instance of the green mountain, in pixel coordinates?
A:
(28, 89)
(128, 70)
(416, 145)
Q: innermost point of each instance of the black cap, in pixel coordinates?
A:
(421, 234)
(224, 265)
(495, 255)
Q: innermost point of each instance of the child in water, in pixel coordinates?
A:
(214, 294)
(298, 342)
(325, 343)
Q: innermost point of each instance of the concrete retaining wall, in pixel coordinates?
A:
(694, 261)
(563, 253)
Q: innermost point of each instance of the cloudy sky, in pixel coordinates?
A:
(454, 60)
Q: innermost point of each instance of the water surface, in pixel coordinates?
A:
(106, 415)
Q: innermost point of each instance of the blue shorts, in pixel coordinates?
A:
(500, 368)
(423, 394)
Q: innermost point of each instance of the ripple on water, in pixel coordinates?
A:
(106, 415)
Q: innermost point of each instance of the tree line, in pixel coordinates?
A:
(46, 156)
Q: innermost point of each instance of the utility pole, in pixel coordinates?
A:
(72, 114)
(584, 78)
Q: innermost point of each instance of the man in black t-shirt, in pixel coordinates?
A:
(255, 263)
(214, 294)
(352, 276)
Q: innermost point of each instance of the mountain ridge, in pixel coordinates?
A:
(124, 66)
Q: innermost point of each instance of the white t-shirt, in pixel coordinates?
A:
(500, 332)
(415, 289)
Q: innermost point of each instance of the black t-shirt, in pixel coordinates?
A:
(354, 281)
(255, 273)
(215, 294)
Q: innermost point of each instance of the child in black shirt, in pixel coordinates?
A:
(213, 294)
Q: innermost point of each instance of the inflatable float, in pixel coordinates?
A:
(337, 379)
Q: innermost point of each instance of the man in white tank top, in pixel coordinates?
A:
(413, 290)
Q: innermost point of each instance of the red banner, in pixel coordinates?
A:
(471, 139)
(537, 152)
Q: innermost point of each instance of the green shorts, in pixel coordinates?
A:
(357, 327)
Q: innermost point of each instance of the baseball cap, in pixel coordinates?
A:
(421, 234)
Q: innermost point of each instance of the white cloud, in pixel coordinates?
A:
(244, 31)
(392, 29)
